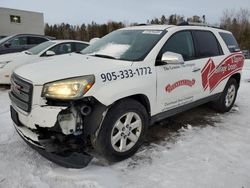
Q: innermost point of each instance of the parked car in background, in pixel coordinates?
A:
(9, 62)
(21, 42)
(246, 54)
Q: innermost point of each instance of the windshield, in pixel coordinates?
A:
(130, 45)
(41, 47)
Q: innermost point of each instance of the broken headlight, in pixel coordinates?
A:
(73, 88)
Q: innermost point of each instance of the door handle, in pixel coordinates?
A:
(196, 69)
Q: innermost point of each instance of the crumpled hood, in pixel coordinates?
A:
(67, 66)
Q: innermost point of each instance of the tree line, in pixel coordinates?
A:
(83, 32)
(238, 22)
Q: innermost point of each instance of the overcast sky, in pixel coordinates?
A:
(101, 11)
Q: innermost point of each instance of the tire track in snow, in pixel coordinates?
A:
(4, 100)
(2, 180)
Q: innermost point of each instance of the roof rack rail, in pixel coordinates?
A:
(192, 24)
(197, 24)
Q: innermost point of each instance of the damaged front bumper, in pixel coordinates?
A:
(67, 158)
(66, 150)
(61, 130)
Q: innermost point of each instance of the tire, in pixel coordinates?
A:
(115, 141)
(228, 97)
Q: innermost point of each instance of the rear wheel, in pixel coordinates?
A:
(227, 98)
(123, 130)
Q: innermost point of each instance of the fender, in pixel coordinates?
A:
(109, 92)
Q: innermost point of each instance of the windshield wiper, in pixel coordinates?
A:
(104, 56)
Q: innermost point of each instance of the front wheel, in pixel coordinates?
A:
(122, 131)
(228, 97)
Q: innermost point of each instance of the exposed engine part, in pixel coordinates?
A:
(70, 121)
(85, 110)
(81, 117)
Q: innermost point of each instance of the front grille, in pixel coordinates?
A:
(21, 93)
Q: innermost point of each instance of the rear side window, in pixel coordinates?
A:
(36, 40)
(230, 41)
(206, 44)
(79, 46)
(181, 43)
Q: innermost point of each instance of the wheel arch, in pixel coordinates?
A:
(237, 77)
(141, 98)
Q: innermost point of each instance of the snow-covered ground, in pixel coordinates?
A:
(205, 150)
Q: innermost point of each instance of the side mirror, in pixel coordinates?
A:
(50, 53)
(93, 40)
(172, 58)
(7, 45)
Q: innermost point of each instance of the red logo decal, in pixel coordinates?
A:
(170, 87)
(212, 76)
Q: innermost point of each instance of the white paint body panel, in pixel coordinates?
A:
(151, 85)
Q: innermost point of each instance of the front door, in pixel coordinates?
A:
(177, 84)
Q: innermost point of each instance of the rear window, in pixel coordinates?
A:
(230, 41)
(206, 44)
(80, 46)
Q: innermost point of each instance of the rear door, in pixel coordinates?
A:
(210, 58)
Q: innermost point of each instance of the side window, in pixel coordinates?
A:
(181, 43)
(62, 48)
(206, 44)
(18, 41)
(79, 46)
(230, 42)
(36, 40)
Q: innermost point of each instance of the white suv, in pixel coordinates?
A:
(102, 100)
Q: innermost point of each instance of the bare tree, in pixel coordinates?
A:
(238, 22)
